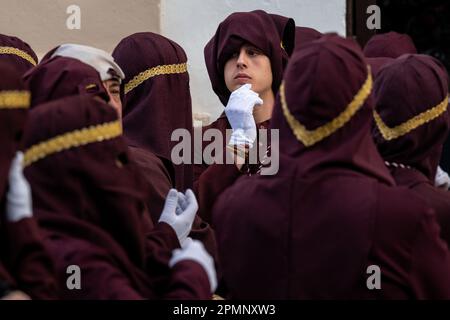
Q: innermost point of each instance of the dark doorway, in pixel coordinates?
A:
(426, 21)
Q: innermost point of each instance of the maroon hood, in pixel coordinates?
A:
(412, 120)
(257, 28)
(391, 44)
(17, 53)
(157, 97)
(61, 77)
(14, 103)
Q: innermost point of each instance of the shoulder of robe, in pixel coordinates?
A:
(146, 159)
(150, 166)
(220, 123)
(399, 212)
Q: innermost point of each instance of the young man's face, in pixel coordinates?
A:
(113, 88)
(248, 65)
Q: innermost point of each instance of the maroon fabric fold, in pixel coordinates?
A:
(24, 263)
(377, 63)
(159, 105)
(61, 77)
(265, 31)
(29, 259)
(94, 214)
(16, 60)
(406, 89)
(391, 44)
(12, 123)
(257, 28)
(304, 35)
(287, 31)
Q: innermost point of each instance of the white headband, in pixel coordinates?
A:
(96, 58)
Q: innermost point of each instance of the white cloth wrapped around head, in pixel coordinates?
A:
(102, 61)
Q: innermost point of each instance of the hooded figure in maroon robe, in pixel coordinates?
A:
(304, 35)
(156, 102)
(377, 63)
(331, 215)
(274, 36)
(257, 28)
(391, 44)
(61, 77)
(24, 263)
(412, 123)
(156, 97)
(17, 53)
(94, 213)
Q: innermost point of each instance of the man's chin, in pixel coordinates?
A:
(240, 85)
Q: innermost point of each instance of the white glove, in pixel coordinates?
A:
(442, 180)
(239, 111)
(179, 212)
(18, 204)
(194, 250)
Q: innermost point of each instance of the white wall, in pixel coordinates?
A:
(42, 23)
(192, 23)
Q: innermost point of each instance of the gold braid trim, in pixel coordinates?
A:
(15, 99)
(19, 53)
(311, 137)
(72, 139)
(155, 71)
(411, 124)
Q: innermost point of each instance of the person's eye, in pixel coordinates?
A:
(234, 55)
(114, 90)
(252, 53)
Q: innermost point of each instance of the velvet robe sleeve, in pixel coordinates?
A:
(430, 262)
(189, 282)
(29, 260)
(157, 176)
(211, 180)
(210, 185)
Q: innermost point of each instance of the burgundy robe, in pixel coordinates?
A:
(287, 31)
(312, 230)
(24, 262)
(237, 29)
(21, 57)
(61, 77)
(160, 104)
(207, 186)
(28, 259)
(159, 183)
(94, 215)
(405, 89)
